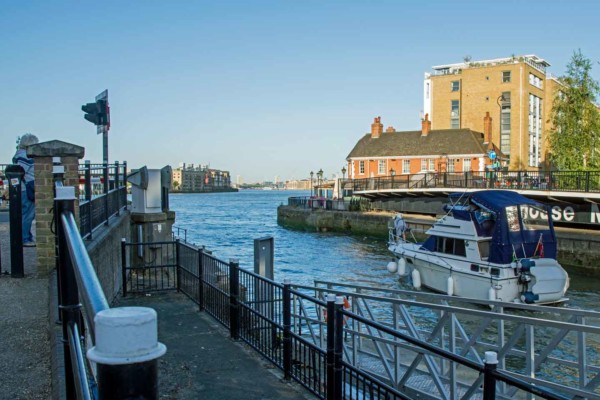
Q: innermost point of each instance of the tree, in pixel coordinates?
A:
(575, 118)
(175, 185)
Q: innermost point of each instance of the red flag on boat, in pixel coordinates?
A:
(540, 247)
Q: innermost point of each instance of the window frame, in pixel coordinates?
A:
(361, 167)
(381, 167)
(506, 76)
(455, 86)
(406, 166)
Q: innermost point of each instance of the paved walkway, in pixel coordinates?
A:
(24, 326)
(202, 362)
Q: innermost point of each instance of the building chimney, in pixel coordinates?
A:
(487, 128)
(425, 125)
(390, 129)
(376, 128)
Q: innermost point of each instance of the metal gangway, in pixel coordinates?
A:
(554, 348)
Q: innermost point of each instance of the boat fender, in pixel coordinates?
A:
(402, 267)
(492, 293)
(529, 297)
(392, 267)
(450, 286)
(416, 278)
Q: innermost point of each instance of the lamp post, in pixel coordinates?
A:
(319, 178)
(340, 187)
(311, 183)
(392, 174)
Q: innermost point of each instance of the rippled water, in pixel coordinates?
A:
(228, 223)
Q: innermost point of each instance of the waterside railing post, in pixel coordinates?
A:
(234, 288)
(201, 279)
(287, 330)
(489, 379)
(330, 346)
(124, 265)
(178, 264)
(69, 306)
(338, 348)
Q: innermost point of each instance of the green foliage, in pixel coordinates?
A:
(576, 118)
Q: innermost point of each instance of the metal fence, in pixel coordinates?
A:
(329, 348)
(562, 181)
(103, 193)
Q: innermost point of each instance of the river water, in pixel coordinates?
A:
(228, 223)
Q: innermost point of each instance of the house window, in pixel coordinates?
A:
(361, 167)
(451, 163)
(455, 114)
(505, 76)
(381, 167)
(455, 86)
(431, 164)
(406, 166)
(505, 123)
(466, 164)
(535, 130)
(424, 165)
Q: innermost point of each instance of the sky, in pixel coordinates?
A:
(262, 89)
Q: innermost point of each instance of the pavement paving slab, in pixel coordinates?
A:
(203, 362)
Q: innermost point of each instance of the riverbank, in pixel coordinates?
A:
(578, 249)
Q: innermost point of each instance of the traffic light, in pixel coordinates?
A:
(92, 112)
(97, 113)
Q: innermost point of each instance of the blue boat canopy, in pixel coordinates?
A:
(519, 227)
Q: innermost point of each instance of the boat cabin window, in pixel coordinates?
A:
(484, 249)
(512, 217)
(534, 218)
(450, 246)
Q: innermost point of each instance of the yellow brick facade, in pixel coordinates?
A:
(478, 86)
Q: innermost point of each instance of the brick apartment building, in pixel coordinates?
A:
(515, 91)
(198, 178)
(380, 153)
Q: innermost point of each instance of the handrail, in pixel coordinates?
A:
(93, 298)
(79, 370)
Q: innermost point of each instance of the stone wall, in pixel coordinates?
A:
(105, 253)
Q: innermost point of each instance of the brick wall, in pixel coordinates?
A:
(42, 154)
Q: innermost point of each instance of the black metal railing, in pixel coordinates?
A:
(562, 181)
(78, 288)
(271, 318)
(103, 194)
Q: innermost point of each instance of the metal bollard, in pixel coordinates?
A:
(15, 175)
(126, 353)
(489, 380)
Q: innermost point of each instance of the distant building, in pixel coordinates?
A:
(303, 184)
(517, 92)
(195, 179)
(387, 153)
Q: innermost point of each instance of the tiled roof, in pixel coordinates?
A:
(412, 143)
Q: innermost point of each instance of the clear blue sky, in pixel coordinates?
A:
(259, 88)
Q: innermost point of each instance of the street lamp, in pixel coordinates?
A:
(344, 172)
(341, 187)
(319, 176)
(311, 183)
(392, 171)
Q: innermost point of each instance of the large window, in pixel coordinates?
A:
(505, 123)
(423, 165)
(535, 130)
(381, 167)
(431, 164)
(455, 86)
(505, 76)
(455, 114)
(361, 167)
(466, 164)
(406, 166)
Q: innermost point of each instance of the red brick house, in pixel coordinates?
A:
(388, 153)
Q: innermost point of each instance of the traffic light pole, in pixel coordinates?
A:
(105, 147)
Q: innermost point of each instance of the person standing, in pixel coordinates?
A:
(27, 186)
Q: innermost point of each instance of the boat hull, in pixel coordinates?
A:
(548, 282)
